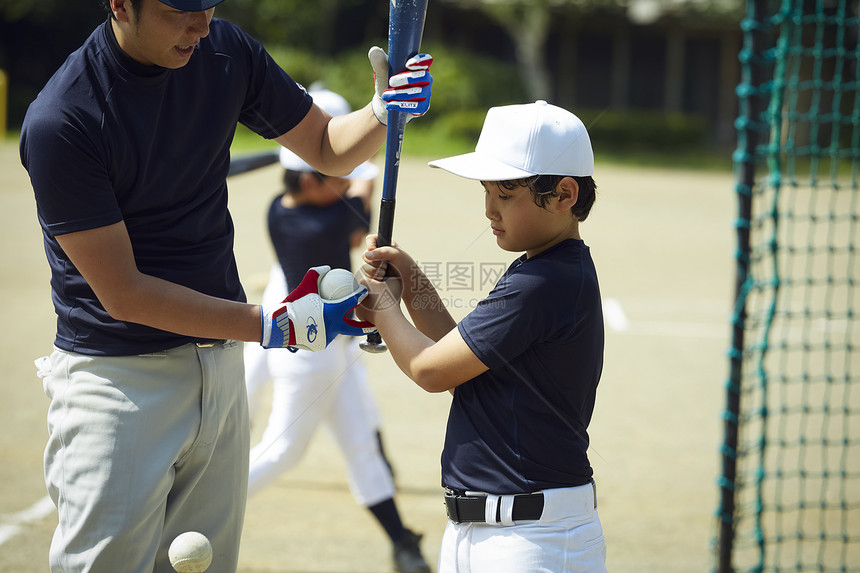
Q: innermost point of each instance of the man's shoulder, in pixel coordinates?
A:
(69, 106)
(75, 83)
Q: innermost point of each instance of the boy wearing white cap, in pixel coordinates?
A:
(524, 365)
(317, 221)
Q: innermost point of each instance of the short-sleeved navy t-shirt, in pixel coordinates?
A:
(521, 426)
(110, 140)
(308, 236)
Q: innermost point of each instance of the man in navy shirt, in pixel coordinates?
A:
(127, 148)
(524, 365)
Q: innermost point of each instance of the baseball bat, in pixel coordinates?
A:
(405, 30)
(253, 161)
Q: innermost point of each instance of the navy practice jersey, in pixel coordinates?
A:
(308, 236)
(521, 425)
(109, 140)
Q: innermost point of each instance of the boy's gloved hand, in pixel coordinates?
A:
(304, 320)
(408, 91)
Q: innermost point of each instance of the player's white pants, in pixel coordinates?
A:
(567, 539)
(311, 389)
(141, 449)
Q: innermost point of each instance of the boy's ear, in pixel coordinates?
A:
(120, 9)
(568, 193)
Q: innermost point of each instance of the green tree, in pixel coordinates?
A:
(324, 26)
(528, 24)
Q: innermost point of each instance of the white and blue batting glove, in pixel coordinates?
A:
(408, 91)
(304, 320)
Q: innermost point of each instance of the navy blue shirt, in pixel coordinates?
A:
(110, 140)
(521, 426)
(308, 236)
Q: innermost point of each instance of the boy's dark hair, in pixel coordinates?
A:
(543, 187)
(136, 7)
(291, 179)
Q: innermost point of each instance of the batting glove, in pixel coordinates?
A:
(304, 320)
(407, 92)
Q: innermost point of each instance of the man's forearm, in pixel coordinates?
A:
(174, 308)
(352, 139)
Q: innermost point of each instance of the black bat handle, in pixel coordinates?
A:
(386, 222)
(373, 343)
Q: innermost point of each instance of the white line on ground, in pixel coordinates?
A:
(618, 321)
(614, 315)
(13, 523)
(709, 331)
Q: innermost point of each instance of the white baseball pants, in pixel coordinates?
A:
(568, 538)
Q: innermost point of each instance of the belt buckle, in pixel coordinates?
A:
(451, 506)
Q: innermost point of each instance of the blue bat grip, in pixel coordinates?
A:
(405, 30)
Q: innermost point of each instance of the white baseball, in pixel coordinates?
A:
(190, 552)
(337, 284)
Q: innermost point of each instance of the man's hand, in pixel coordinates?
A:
(304, 320)
(408, 91)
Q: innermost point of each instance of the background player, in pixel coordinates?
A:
(127, 148)
(316, 221)
(524, 365)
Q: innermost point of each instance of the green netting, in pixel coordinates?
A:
(790, 487)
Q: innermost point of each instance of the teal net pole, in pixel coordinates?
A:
(745, 160)
(790, 480)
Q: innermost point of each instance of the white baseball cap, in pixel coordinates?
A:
(335, 105)
(523, 140)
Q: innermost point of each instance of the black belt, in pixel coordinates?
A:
(471, 508)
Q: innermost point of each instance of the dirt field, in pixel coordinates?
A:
(663, 244)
